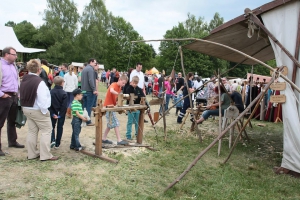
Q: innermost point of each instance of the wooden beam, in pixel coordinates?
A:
(99, 156)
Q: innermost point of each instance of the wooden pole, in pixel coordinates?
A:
(141, 122)
(220, 113)
(98, 130)
(230, 48)
(201, 154)
(262, 94)
(189, 93)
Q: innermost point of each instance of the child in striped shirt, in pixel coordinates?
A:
(77, 113)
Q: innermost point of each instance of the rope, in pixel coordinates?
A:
(129, 56)
(176, 58)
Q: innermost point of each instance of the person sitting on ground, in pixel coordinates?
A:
(58, 109)
(111, 117)
(77, 114)
(133, 116)
(225, 103)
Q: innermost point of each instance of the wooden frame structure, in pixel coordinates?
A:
(100, 111)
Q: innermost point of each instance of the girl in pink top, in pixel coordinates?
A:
(168, 93)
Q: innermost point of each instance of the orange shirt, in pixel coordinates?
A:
(110, 98)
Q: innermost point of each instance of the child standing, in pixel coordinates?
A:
(58, 109)
(112, 121)
(133, 116)
(77, 113)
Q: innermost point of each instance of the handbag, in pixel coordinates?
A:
(21, 118)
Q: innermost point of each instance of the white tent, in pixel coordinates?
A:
(8, 38)
(283, 22)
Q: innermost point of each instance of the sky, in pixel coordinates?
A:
(150, 18)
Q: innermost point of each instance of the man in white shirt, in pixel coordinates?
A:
(35, 99)
(138, 72)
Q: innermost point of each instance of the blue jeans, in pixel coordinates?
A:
(168, 97)
(60, 123)
(70, 97)
(76, 129)
(186, 105)
(95, 100)
(159, 93)
(208, 113)
(88, 101)
(133, 118)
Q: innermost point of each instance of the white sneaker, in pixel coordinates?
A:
(52, 144)
(56, 148)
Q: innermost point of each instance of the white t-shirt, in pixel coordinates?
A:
(140, 74)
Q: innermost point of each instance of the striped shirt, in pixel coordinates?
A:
(76, 106)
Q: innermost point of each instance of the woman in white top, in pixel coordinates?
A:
(71, 83)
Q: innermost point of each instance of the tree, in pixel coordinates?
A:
(59, 31)
(93, 38)
(26, 34)
(10, 24)
(215, 22)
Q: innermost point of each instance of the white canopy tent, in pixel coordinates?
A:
(283, 22)
(8, 38)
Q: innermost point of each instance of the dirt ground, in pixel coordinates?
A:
(87, 135)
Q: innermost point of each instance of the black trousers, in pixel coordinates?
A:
(8, 110)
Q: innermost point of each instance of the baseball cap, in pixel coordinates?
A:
(77, 91)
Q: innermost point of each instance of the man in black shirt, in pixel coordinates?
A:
(112, 76)
(179, 82)
(160, 84)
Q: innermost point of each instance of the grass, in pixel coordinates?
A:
(144, 175)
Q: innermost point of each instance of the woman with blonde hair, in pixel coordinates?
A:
(71, 83)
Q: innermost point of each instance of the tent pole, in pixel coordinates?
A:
(296, 51)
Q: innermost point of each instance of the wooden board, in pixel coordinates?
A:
(278, 86)
(153, 102)
(278, 98)
(284, 71)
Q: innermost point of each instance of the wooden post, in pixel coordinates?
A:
(98, 134)
(98, 130)
(141, 122)
(220, 113)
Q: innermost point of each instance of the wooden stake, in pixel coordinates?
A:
(220, 113)
(141, 122)
(189, 93)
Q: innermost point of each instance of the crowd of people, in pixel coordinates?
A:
(48, 96)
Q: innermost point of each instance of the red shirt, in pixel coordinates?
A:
(110, 98)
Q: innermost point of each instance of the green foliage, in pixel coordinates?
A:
(193, 61)
(59, 31)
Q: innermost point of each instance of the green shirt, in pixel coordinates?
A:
(79, 75)
(76, 106)
(226, 101)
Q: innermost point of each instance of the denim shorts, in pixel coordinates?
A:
(112, 121)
